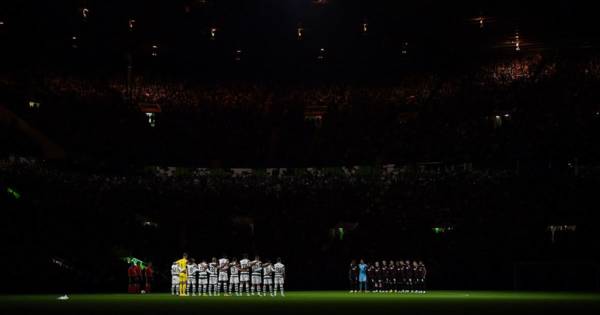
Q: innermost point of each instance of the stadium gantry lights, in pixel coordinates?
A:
(34, 104)
(517, 41)
(322, 53)
(15, 194)
(442, 229)
(405, 48)
(300, 31)
(74, 40)
(84, 13)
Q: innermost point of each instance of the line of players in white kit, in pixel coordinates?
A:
(229, 277)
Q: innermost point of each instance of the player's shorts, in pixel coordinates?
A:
(234, 280)
(223, 277)
(203, 281)
(244, 277)
(268, 280)
(279, 280)
(256, 279)
(183, 278)
(174, 279)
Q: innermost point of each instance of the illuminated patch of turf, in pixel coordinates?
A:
(312, 302)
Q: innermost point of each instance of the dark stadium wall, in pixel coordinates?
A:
(32, 137)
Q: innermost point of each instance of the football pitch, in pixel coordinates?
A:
(311, 302)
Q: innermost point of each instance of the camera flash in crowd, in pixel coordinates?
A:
(322, 53)
(405, 48)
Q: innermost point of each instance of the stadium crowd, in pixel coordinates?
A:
(359, 213)
(469, 115)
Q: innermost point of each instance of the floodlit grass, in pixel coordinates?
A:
(311, 302)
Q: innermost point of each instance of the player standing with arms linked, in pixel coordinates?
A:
(408, 270)
(385, 277)
(392, 277)
(353, 276)
(268, 278)
(223, 276)
(376, 277)
(149, 275)
(131, 275)
(256, 266)
(192, 268)
(234, 277)
(279, 277)
(203, 278)
(174, 278)
(213, 276)
(182, 263)
(362, 276)
(245, 274)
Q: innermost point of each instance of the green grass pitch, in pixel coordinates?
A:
(311, 302)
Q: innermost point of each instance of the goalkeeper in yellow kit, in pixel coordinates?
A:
(182, 264)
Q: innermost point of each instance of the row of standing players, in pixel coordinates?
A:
(387, 277)
(227, 277)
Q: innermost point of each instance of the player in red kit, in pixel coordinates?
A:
(131, 275)
(138, 277)
(149, 275)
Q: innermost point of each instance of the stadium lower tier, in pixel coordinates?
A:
(314, 302)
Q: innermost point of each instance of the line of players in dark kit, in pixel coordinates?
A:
(387, 277)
